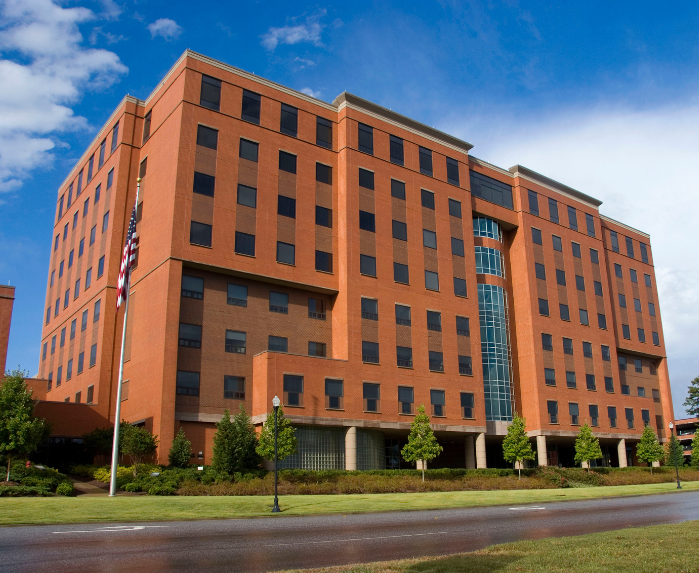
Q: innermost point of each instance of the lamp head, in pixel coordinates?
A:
(276, 402)
(671, 425)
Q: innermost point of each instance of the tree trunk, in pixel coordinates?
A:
(519, 469)
(9, 461)
(423, 470)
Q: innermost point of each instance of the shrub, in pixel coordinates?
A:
(180, 450)
(65, 488)
(125, 474)
(137, 443)
(23, 491)
(84, 470)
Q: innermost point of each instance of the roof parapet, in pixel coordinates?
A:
(526, 173)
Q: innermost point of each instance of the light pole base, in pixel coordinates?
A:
(276, 509)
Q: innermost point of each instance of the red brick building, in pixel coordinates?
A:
(7, 299)
(265, 268)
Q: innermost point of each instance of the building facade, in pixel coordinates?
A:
(7, 299)
(686, 431)
(357, 264)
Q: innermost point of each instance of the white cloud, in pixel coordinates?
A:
(44, 69)
(166, 28)
(309, 32)
(304, 63)
(310, 92)
(642, 165)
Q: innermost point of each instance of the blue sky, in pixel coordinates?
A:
(601, 96)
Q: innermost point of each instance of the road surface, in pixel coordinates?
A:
(262, 544)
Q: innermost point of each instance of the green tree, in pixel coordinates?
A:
(137, 443)
(20, 432)
(649, 449)
(691, 403)
(587, 446)
(180, 450)
(422, 445)
(674, 451)
(516, 447)
(695, 451)
(234, 443)
(286, 437)
(246, 442)
(99, 441)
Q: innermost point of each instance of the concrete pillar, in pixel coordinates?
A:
(351, 448)
(621, 449)
(481, 461)
(470, 452)
(541, 450)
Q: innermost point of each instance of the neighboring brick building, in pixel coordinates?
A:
(686, 431)
(7, 299)
(265, 268)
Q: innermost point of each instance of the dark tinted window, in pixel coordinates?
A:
(560, 277)
(460, 287)
(289, 120)
(287, 162)
(244, 244)
(556, 242)
(457, 247)
(533, 203)
(146, 135)
(429, 239)
(293, 390)
(286, 253)
(536, 236)
(452, 171)
(580, 283)
(248, 150)
(455, 208)
(490, 189)
(629, 247)
(462, 326)
(204, 184)
(431, 281)
(425, 161)
(396, 150)
(200, 234)
(427, 198)
(324, 132)
(576, 250)
(207, 137)
(564, 311)
(598, 288)
(400, 273)
(572, 218)
(644, 252)
(324, 173)
(366, 178)
(540, 271)
(366, 139)
(210, 93)
(251, 107)
(286, 206)
(367, 221)
(614, 240)
(594, 256)
(324, 217)
(400, 230)
(543, 307)
(367, 265)
(247, 196)
(370, 308)
(403, 315)
(324, 261)
(590, 221)
(398, 189)
(187, 383)
(553, 210)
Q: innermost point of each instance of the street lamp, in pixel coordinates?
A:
(673, 449)
(276, 402)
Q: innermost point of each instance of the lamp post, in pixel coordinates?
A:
(673, 449)
(276, 402)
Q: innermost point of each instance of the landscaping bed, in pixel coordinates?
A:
(35, 481)
(156, 480)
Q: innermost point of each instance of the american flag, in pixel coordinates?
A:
(127, 260)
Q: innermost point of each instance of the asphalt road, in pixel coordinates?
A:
(317, 541)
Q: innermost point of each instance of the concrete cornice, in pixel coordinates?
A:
(251, 77)
(346, 99)
(529, 174)
(571, 434)
(483, 163)
(615, 222)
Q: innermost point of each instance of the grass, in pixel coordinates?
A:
(660, 548)
(29, 511)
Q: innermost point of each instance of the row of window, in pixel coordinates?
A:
(90, 169)
(591, 384)
(75, 289)
(86, 207)
(638, 365)
(564, 311)
(593, 410)
(73, 328)
(188, 384)
(78, 396)
(69, 368)
(614, 239)
(553, 213)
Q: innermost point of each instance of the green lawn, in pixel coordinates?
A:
(662, 548)
(44, 510)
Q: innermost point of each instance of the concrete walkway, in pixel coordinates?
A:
(89, 489)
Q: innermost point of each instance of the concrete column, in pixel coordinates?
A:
(621, 449)
(481, 461)
(351, 448)
(541, 450)
(470, 452)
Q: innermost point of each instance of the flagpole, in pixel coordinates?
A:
(117, 415)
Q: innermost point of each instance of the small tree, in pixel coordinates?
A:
(286, 437)
(691, 402)
(99, 441)
(674, 451)
(516, 447)
(695, 451)
(234, 443)
(20, 432)
(246, 442)
(137, 443)
(649, 449)
(422, 445)
(180, 450)
(587, 446)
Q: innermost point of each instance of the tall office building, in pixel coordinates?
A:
(7, 299)
(357, 264)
